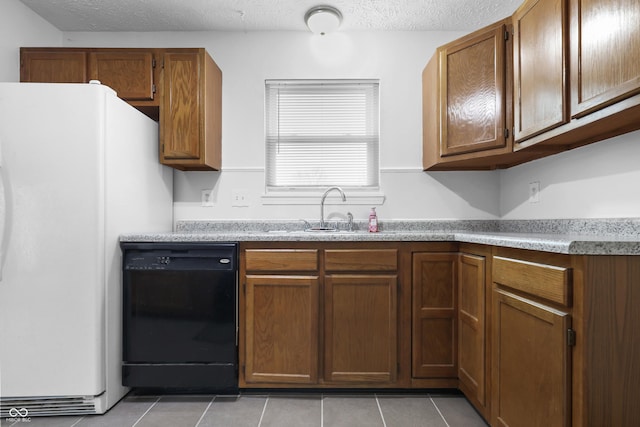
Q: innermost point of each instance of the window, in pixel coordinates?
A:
(322, 133)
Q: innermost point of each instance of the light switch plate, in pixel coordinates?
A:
(534, 192)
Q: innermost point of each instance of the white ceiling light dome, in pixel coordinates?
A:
(323, 19)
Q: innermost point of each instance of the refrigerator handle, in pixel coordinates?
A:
(4, 213)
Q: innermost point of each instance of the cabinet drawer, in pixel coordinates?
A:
(550, 282)
(281, 259)
(361, 259)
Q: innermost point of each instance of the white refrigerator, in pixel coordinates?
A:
(78, 167)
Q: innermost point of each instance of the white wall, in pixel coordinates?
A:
(247, 59)
(601, 180)
(20, 26)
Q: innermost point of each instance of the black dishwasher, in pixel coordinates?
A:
(180, 315)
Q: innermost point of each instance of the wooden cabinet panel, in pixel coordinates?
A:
(128, 72)
(281, 329)
(434, 334)
(180, 132)
(531, 363)
(53, 66)
(471, 325)
(605, 389)
(190, 117)
(540, 84)
(281, 259)
(361, 323)
(361, 259)
(605, 47)
(550, 282)
(472, 91)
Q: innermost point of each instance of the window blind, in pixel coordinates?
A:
(322, 133)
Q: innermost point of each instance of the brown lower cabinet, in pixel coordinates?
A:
(434, 330)
(339, 315)
(474, 305)
(531, 338)
(281, 329)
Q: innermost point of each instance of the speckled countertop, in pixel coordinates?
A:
(618, 236)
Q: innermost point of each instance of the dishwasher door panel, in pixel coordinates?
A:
(180, 317)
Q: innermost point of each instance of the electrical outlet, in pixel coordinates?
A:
(239, 198)
(534, 192)
(206, 198)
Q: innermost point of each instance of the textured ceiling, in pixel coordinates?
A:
(260, 15)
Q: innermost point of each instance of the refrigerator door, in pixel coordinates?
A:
(52, 290)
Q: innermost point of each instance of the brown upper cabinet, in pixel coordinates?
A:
(465, 92)
(540, 84)
(605, 43)
(191, 113)
(182, 88)
(572, 78)
(130, 72)
(53, 65)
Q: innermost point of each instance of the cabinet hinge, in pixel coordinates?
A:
(506, 133)
(571, 337)
(153, 62)
(153, 88)
(506, 35)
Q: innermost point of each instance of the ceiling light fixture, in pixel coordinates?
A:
(323, 19)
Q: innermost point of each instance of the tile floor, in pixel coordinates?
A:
(278, 410)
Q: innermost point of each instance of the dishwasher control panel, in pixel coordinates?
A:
(180, 257)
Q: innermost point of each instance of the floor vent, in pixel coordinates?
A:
(46, 406)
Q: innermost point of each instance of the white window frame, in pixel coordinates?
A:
(368, 132)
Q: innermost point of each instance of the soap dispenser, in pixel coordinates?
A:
(373, 221)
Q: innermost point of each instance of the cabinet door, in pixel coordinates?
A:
(472, 93)
(531, 363)
(361, 325)
(129, 73)
(540, 87)
(605, 53)
(51, 66)
(434, 334)
(471, 325)
(180, 113)
(281, 332)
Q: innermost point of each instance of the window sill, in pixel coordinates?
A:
(369, 198)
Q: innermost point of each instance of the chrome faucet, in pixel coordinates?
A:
(324, 196)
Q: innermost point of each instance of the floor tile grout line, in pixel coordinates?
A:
(321, 409)
(384, 423)
(76, 423)
(264, 408)
(438, 409)
(205, 411)
(147, 411)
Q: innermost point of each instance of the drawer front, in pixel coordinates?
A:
(361, 259)
(550, 282)
(281, 259)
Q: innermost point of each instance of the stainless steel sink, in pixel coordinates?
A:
(321, 230)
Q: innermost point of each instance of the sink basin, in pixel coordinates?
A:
(321, 229)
